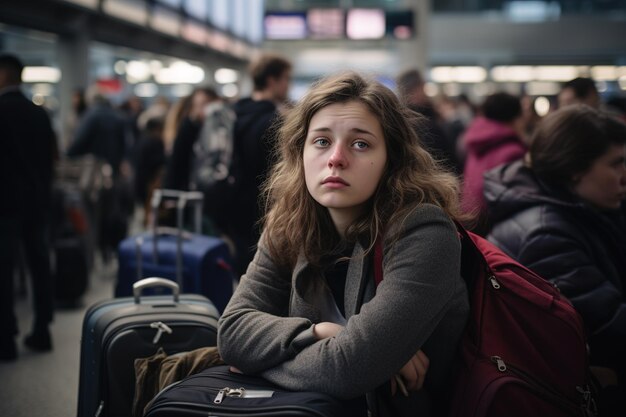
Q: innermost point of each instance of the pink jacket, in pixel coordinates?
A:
(488, 144)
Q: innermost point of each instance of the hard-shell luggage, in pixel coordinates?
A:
(219, 392)
(117, 331)
(71, 270)
(199, 264)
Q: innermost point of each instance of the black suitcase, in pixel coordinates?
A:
(71, 271)
(69, 244)
(217, 391)
(115, 332)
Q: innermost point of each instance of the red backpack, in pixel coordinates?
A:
(524, 350)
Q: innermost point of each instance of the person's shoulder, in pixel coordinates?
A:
(426, 212)
(425, 215)
(250, 106)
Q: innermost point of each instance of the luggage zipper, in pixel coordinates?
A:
(586, 404)
(241, 393)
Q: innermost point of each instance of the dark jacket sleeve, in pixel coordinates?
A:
(82, 142)
(563, 256)
(180, 163)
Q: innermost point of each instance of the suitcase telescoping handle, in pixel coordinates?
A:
(182, 198)
(155, 282)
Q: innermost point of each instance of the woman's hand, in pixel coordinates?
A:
(326, 329)
(411, 376)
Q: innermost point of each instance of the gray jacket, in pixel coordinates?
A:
(267, 327)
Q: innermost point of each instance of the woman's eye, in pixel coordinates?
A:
(321, 142)
(360, 144)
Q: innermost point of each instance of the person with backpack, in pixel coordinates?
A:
(308, 314)
(178, 170)
(271, 76)
(560, 212)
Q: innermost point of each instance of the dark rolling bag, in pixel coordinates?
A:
(116, 332)
(199, 264)
(219, 392)
(70, 230)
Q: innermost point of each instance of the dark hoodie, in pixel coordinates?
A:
(253, 148)
(580, 249)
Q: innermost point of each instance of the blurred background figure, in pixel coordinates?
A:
(456, 115)
(177, 175)
(254, 140)
(580, 90)
(78, 109)
(131, 109)
(157, 109)
(177, 112)
(493, 138)
(104, 133)
(410, 87)
(29, 149)
(149, 164)
(561, 213)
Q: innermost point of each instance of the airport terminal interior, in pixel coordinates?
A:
(159, 51)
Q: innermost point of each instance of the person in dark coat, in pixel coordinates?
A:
(561, 213)
(271, 75)
(149, 158)
(178, 172)
(29, 149)
(102, 132)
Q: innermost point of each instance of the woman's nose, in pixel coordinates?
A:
(337, 158)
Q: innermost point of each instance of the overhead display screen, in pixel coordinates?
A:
(365, 24)
(326, 23)
(285, 25)
(336, 23)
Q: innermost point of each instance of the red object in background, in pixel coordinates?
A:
(109, 85)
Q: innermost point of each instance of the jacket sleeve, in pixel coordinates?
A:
(83, 137)
(565, 259)
(421, 277)
(254, 332)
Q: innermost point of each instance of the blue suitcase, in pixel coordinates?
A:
(199, 264)
(117, 331)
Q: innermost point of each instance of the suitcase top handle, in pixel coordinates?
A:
(155, 282)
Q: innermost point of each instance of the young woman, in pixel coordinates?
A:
(562, 214)
(307, 315)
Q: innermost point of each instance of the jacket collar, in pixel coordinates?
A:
(308, 286)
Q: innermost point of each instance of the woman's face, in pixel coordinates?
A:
(604, 184)
(344, 159)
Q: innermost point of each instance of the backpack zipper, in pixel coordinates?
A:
(241, 393)
(585, 404)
